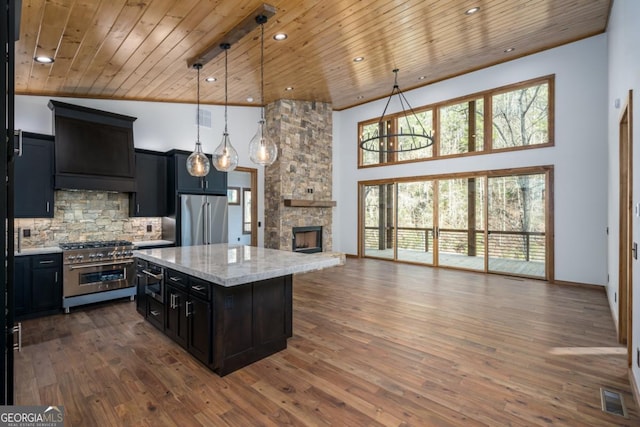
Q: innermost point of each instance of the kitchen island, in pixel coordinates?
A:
(228, 305)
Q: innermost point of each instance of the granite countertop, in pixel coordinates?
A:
(152, 243)
(38, 251)
(229, 265)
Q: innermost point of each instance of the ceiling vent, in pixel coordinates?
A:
(205, 118)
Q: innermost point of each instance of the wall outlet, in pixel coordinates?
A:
(149, 228)
(26, 232)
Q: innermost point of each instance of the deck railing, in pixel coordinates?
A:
(520, 245)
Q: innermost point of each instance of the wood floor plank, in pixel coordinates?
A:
(374, 343)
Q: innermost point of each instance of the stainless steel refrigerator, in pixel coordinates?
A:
(203, 219)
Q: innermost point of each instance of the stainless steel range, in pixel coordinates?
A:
(96, 271)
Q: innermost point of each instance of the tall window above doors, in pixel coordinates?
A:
(514, 117)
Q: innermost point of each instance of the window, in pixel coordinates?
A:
(521, 117)
(515, 117)
(246, 211)
(461, 127)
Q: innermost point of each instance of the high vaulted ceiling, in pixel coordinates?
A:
(138, 49)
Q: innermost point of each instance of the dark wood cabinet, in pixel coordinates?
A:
(150, 197)
(38, 285)
(141, 296)
(179, 180)
(22, 285)
(155, 313)
(251, 322)
(188, 315)
(225, 327)
(33, 177)
(198, 312)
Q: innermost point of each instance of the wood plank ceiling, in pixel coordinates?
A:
(138, 49)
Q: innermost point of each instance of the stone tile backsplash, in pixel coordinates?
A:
(86, 216)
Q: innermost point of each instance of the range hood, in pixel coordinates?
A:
(93, 149)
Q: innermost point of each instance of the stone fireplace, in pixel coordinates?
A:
(298, 185)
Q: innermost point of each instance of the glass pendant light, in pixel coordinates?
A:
(197, 162)
(262, 150)
(225, 157)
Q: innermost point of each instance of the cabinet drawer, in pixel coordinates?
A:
(141, 264)
(155, 313)
(46, 261)
(200, 288)
(178, 279)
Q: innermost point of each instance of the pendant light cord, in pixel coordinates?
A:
(198, 66)
(226, 51)
(262, 70)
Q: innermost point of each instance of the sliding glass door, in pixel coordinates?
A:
(492, 222)
(415, 222)
(379, 220)
(517, 224)
(460, 234)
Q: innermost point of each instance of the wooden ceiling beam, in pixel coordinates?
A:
(243, 28)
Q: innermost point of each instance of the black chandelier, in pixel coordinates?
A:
(386, 139)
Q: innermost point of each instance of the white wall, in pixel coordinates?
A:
(160, 127)
(241, 180)
(579, 154)
(624, 75)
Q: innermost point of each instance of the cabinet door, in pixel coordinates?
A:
(199, 335)
(33, 177)
(215, 182)
(141, 296)
(150, 198)
(176, 320)
(46, 282)
(21, 285)
(184, 181)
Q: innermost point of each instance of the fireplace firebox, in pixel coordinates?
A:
(307, 239)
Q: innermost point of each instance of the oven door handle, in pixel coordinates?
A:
(78, 267)
(155, 276)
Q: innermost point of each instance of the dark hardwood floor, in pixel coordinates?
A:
(374, 343)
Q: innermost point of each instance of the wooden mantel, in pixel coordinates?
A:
(299, 203)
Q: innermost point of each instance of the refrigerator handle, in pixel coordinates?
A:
(210, 217)
(204, 223)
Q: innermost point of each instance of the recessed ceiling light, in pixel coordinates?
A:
(511, 49)
(43, 59)
(210, 79)
(358, 59)
(250, 99)
(280, 36)
(472, 10)
(422, 77)
(289, 88)
(360, 97)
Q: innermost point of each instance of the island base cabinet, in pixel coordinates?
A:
(176, 320)
(252, 321)
(199, 329)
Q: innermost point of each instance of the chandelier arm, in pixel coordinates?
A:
(424, 131)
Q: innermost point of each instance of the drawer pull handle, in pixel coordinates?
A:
(197, 288)
(175, 279)
(155, 313)
(155, 276)
(50, 261)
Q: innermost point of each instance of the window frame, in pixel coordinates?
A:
(487, 96)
